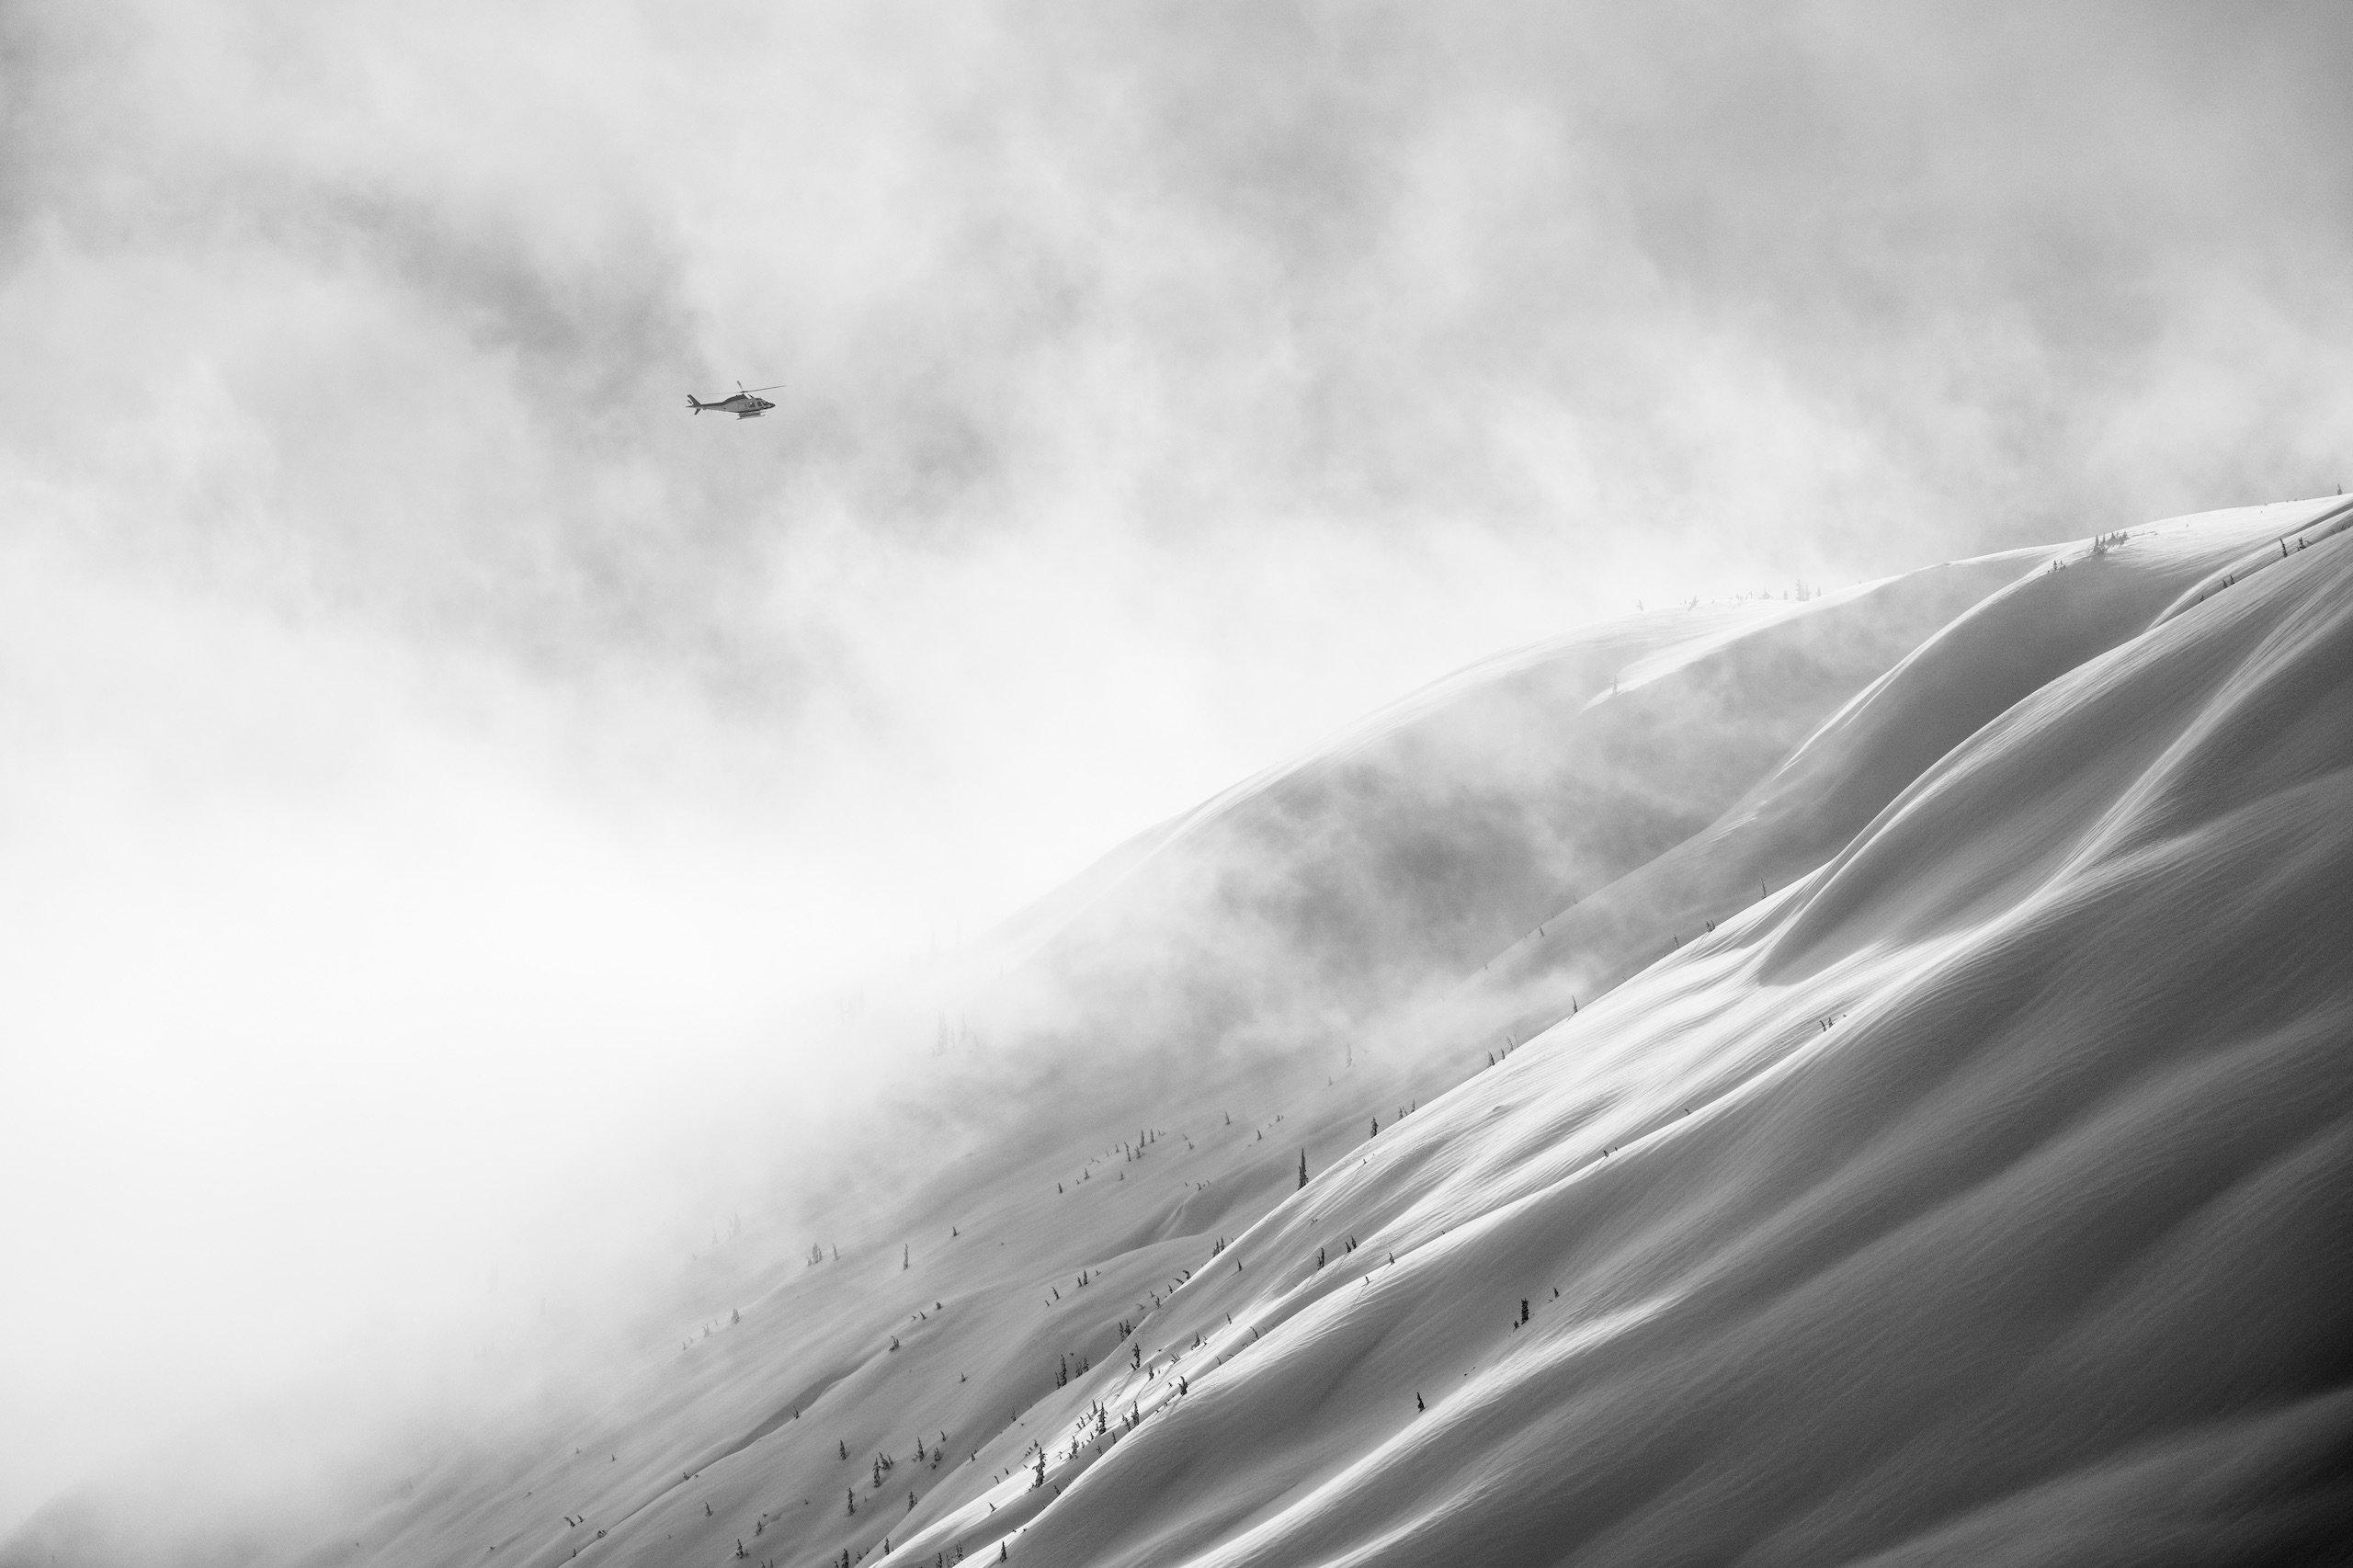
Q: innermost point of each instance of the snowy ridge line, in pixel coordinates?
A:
(2311, 531)
(1643, 669)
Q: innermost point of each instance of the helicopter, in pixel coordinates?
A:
(744, 403)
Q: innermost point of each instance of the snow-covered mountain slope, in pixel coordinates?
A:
(1980, 1193)
(2074, 604)
(1988, 1194)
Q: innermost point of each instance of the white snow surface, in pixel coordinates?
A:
(1922, 1131)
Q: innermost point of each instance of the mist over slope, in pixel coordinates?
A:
(1927, 1139)
(1274, 925)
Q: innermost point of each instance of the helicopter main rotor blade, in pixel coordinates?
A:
(770, 387)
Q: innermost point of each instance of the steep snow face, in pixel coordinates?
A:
(1990, 1193)
(1977, 1193)
(2074, 604)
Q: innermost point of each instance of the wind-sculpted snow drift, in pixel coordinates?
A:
(1981, 1192)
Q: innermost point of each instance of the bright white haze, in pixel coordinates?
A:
(434, 767)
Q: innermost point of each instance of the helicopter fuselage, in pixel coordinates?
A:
(742, 406)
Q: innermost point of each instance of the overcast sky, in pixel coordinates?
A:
(426, 753)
